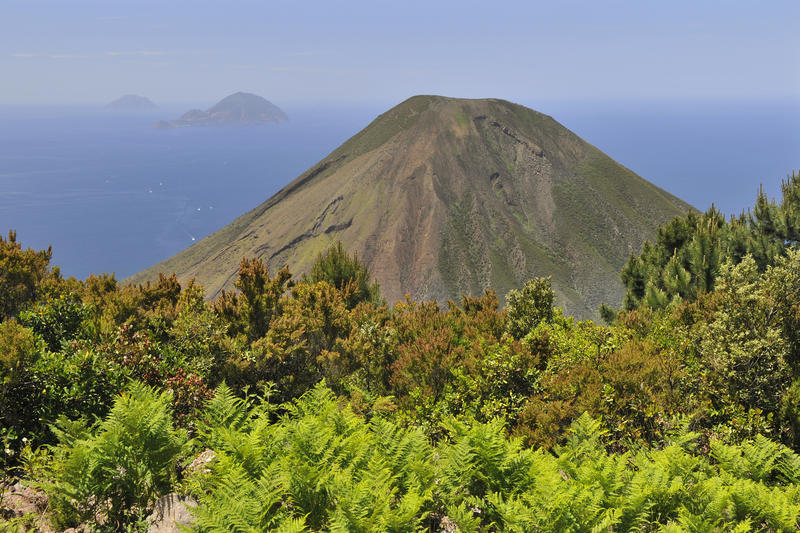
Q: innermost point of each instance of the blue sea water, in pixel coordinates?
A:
(112, 194)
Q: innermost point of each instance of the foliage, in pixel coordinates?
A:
(119, 467)
(346, 273)
(56, 320)
(301, 346)
(432, 417)
(260, 295)
(200, 336)
(636, 387)
(743, 345)
(17, 352)
(22, 273)
(321, 467)
(446, 361)
(140, 358)
(73, 383)
(18, 349)
(686, 258)
(318, 467)
(529, 306)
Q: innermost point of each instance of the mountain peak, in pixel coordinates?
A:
(248, 103)
(236, 109)
(443, 196)
(131, 102)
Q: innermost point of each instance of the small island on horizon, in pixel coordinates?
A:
(238, 109)
(131, 102)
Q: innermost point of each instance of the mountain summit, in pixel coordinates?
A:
(234, 110)
(131, 102)
(442, 196)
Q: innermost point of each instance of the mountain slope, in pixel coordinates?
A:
(442, 196)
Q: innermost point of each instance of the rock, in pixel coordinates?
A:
(20, 499)
(169, 512)
(201, 462)
(447, 525)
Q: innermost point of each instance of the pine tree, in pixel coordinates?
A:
(700, 244)
(790, 208)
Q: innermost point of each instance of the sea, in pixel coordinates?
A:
(112, 194)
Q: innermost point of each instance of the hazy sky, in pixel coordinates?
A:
(93, 51)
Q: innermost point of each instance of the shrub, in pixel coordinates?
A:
(259, 301)
(56, 321)
(21, 275)
(743, 345)
(302, 344)
(138, 357)
(17, 349)
(528, 306)
(18, 352)
(346, 273)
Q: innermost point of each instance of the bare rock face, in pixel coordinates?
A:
(170, 512)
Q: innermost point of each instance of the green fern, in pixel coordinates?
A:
(318, 466)
(121, 466)
(322, 467)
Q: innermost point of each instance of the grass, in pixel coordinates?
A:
(387, 125)
(462, 120)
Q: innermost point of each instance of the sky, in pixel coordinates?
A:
(76, 52)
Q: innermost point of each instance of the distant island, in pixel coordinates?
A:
(235, 110)
(131, 102)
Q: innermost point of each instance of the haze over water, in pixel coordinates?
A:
(112, 194)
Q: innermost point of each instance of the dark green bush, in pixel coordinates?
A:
(56, 321)
(345, 272)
